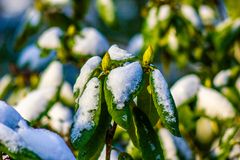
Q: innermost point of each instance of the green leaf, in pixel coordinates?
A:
(106, 11)
(148, 140)
(164, 102)
(124, 156)
(87, 117)
(145, 102)
(93, 149)
(120, 87)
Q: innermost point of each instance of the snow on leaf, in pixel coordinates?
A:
(214, 104)
(9, 116)
(222, 78)
(85, 74)
(119, 54)
(124, 81)
(135, 44)
(50, 39)
(52, 76)
(36, 103)
(46, 144)
(87, 116)
(90, 42)
(185, 89)
(190, 14)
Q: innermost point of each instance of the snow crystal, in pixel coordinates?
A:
(90, 42)
(119, 54)
(50, 38)
(88, 103)
(135, 44)
(9, 138)
(123, 81)
(9, 116)
(60, 118)
(46, 144)
(190, 14)
(35, 103)
(30, 57)
(164, 12)
(222, 78)
(66, 93)
(214, 104)
(185, 89)
(86, 72)
(163, 93)
(52, 76)
(152, 18)
(170, 151)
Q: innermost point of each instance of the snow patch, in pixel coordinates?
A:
(119, 54)
(123, 81)
(185, 88)
(222, 78)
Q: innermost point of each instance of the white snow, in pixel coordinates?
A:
(66, 93)
(135, 44)
(10, 138)
(30, 57)
(88, 103)
(170, 151)
(50, 39)
(163, 94)
(214, 104)
(185, 89)
(46, 144)
(119, 54)
(85, 73)
(164, 12)
(52, 76)
(207, 14)
(152, 18)
(123, 81)
(35, 103)
(222, 78)
(9, 116)
(60, 118)
(90, 42)
(190, 14)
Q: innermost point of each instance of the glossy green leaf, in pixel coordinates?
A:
(164, 102)
(148, 140)
(87, 117)
(93, 149)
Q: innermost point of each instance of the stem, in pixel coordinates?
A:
(221, 9)
(109, 138)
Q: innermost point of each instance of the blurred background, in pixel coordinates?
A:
(196, 45)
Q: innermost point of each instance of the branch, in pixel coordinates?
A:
(109, 138)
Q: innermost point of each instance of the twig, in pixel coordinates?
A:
(109, 138)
